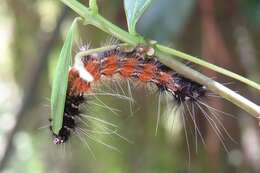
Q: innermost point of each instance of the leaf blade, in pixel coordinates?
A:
(60, 81)
(134, 9)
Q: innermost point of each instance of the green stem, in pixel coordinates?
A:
(212, 85)
(208, 65)
(114, 30)
(163, 52)
(101, 23)
(93, 6)
(100, 49)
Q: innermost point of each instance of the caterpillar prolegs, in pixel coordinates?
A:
(138, 65)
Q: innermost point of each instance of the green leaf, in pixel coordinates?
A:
(134, 10)
(60, 81)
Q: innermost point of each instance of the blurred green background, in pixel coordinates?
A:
(226, 33)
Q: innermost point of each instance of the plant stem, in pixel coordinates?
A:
(101, 23)
(93, 6)
(162, 52)
(96, 50)
(208, 65)
(212, 85)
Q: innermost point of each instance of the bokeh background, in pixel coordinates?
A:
(226, 33)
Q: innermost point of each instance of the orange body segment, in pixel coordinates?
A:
(148, 72)
(110, 66)
(128, 67)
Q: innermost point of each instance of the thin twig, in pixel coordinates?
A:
(212, 85)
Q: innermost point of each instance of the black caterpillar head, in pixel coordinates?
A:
(62, 137)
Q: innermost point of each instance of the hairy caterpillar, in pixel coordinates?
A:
(135, 64)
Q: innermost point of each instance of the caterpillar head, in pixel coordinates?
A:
(62, 137)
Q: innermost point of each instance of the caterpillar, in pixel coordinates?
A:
(137, 64)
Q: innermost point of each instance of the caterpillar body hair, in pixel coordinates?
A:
(137, 64)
